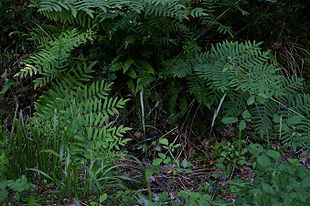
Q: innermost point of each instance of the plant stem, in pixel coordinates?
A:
(142, 112)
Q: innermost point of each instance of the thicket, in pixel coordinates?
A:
(214, 97)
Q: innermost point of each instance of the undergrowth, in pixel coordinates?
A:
(213, 96)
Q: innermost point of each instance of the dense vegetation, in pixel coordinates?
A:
(155, 102)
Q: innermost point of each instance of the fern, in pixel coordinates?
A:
(51, 61)
(242, 70)
(84, 111)
(201, 91)
(293, 120)
(262, 118)
(42, 35)
(243, 66)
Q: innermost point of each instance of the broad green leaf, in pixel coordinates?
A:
(274, 154)
(19, 185)
(306, 139)
(103, 197)
(267, 188)
(250, 100)
(263, 160)
(186, 164)
(246, 115)
(146, 67)
(255, 149)
(157, 161)
(229, 120)
(176, 145)
(294, 162)
(167, 160)
(131, 73)
(220, 166)
(242, 125)
(162, 155)
(260, 100)
(164, 141)
(127, 64)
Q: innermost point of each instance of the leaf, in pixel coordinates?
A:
(274, 155)
(306, 139)
(242, 125)
(229, 120)
(246, 115)
(131, 73)
(103, 197)
(127, 64)
(162, 155)
(260, 99)
(19, 185)
(6, 87)
(294, 162)
(293, 120)
(167, 160)
(250, 100)
(263, 160)
(157, 161)
(276, 118)
(186, 164)
(255, 149)
(176, 145)
(220, 166)
(146, 67)
(164, 141)
(267, 188)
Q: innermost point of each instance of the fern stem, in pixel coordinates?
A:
(283, 105)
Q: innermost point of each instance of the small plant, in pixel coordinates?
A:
(168, 149)
(229, 156)
(15, 190)
(275, 182)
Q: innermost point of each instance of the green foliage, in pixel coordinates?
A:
(276, 182)
(242, 69)
(82, 110)
(50, 62)
(165, 152)
(91, 13)
(183, 197)
(59, 162)
(184, 57)
(72, 138)
(293, 121)
(84, 113)
(15, 188)
(229, 156)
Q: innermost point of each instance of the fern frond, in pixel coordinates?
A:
(52, 60)
(240, 66)
(262, 118)
(181, 69)
(42, 35)
(293, 121)
(202, 91)
(84, 111)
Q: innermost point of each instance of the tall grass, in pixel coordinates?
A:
(50, 162)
